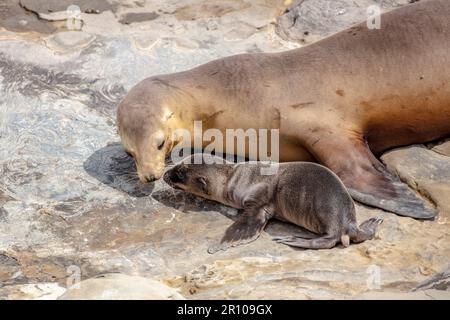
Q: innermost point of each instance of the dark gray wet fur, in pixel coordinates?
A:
(303, 193)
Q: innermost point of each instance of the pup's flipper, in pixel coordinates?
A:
(366, 177)
(245, 229)
(366, 230)
(325, 242)
(300, 233)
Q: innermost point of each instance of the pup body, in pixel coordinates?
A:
(303, 193)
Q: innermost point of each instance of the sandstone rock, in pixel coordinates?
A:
(35, 291)
(69, 41)
(425, 171)
(418, 295)
(120, 287)
(443, 148)
(209, 9)
(51, 6)
(13, 17)
(440, 281)
(185, 43)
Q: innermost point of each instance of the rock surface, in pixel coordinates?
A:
(120, 287)
(306, 21)
(70, 201)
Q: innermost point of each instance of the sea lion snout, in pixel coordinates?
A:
(175, 176)
(149, 177)
(146, 177)
(149, 171)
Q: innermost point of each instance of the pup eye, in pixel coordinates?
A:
(181, 175)
(161, 145)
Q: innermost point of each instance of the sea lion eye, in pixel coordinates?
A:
(181, 175)
(161, 145)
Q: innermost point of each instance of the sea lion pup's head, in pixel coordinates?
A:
(203, 176)
(145, 128)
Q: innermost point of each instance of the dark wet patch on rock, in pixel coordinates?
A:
(114, 167)
(186, 202)
(138, 17)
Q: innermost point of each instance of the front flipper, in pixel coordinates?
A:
(245, 229)
(366, 178)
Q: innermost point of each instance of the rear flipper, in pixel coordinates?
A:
(326, 242)
(366, 178)
(366, 230)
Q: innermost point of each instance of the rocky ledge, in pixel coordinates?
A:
(71, 207)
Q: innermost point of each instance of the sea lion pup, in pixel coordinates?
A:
(303, 193)
(340, 101)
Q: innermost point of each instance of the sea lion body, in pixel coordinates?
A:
(338, 101)
(303, 193)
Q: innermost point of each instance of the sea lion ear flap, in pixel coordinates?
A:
(204, 185)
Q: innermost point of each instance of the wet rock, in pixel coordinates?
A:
(120, 287)
(306, 21)
(114, 167)
(70, 200)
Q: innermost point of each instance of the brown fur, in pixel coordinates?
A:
(303, 193)
(365, 91)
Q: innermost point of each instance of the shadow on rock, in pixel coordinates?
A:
(114, 167)
(185, 202)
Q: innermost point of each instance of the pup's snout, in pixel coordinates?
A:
(166, 178)
(174, 176)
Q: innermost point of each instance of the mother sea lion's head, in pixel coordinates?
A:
(146, 135)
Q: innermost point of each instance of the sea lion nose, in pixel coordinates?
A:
(150, 177)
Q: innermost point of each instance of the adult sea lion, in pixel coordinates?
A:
(303, 193)
(340, 101)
